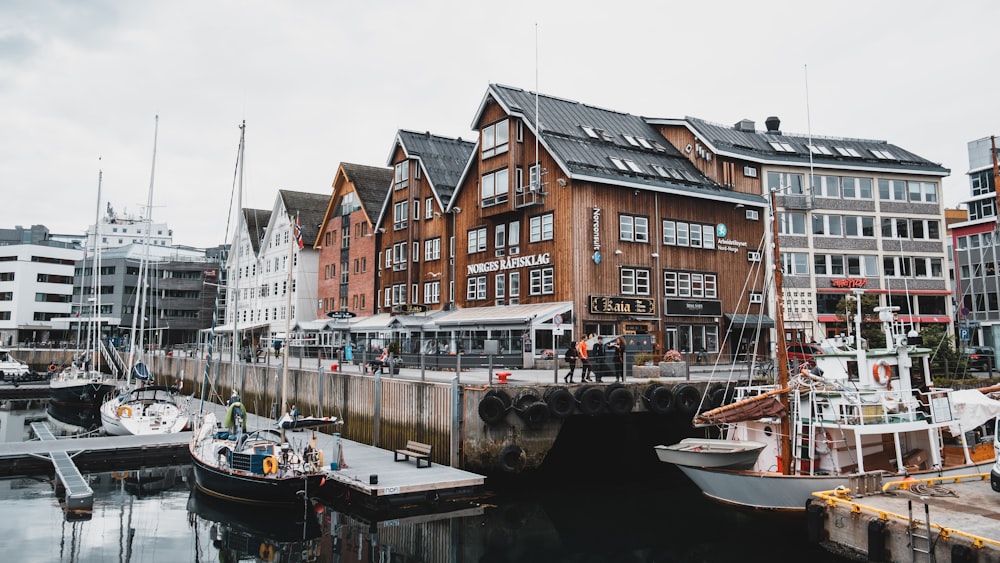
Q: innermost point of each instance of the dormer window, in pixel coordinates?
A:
(496, 139)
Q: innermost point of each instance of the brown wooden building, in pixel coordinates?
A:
(601, 214)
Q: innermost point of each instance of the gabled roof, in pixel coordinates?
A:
(371, 183)
(592, 144)
(309, 208)
(256, 221)
(441, 158)
(744, 141)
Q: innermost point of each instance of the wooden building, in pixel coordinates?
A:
(566, 203)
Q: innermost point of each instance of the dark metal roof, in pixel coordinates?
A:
(256, 221)
(442, 158)
(371, 183)
(309, 208)
(563, 122)
(756, 145)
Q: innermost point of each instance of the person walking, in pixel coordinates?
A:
(597, 365)
(620, 359)
(571, 356)
(581, 352)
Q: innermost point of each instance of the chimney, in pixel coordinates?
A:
(745, 125)
(773, 124)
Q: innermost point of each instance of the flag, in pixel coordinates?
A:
(298, 233)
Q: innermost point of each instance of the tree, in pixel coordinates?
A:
(871, 332)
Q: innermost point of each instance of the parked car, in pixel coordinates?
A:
(803, 353)
(981, 358)
(995, 472)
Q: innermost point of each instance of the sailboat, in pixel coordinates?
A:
(83, 384)
(142, 409)
(857, 412)
(260, 466)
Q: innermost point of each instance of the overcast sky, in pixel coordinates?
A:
(325, 82)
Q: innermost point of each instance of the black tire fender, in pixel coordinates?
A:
(591, 400)
(716, 395)
(560, 402)
(511, 459)
(620, 400)
(659, 399)
(536, 415)
(687, 399)
(492, 409)
(525, 398)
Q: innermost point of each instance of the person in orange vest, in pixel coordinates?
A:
(581, 352)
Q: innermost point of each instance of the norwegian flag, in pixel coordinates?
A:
(298, 233)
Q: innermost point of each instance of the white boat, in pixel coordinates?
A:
(139, 408)
(721, 454)
(858, 411)
(12, 369)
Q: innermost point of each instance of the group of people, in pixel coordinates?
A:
(592, 361)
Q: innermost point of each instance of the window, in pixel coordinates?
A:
(633, 228)
(428, 208)
(784, 182)
(499, 285)
(540, 228)
(795, 263)
(820, 150)
(892, 190)
(500, 237)
(541, 281)
(432, 292)
(634, 281)
(476, 290)
(496, 139)
(923, 192)
(495, 188)
(416, 251)
(477, 240)
(399, 256)
(432, 249)
(781, 147)
(883, 154)
(515, 286)
(399, 215)
(416, 209)
(791, 223)
(847, 151)
(402, 175)
(690, 284)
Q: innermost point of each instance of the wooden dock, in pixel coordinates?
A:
(368, 476)
(943, 519)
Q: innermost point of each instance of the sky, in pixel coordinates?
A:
(324, 82)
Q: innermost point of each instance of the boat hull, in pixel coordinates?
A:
(81, 394)
(254, 489)
(773, 491)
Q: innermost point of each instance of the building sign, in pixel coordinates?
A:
(409, 309)
(340, 314)
(622, 305)
(730, 245)
(507, 264)
(849, 282)
(635, 329)
(693, 308)
(596, 222)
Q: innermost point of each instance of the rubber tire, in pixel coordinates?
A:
(560, 402)
(687, 399)
(620, 400)
(590, 400)
(659, 399)
(716, 395)
(525, 398)
(502, 395)
(536, 415)
(492, 409)
(511, 459)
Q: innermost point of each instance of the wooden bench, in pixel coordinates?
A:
(416, 450)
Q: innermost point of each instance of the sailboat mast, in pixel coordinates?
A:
(292, 242)
(139, 313)
(782, 351)
(94, 322)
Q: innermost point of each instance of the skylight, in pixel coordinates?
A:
(644, 143)
(633, 166)
(618, 163)
(885, 155)
(820, 149)
(660, 170)
(781, 147)
(631, 140)
(847, 151)
(590, 132)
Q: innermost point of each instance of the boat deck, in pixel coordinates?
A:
(963, 514)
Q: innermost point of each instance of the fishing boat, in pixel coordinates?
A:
(858, 411)
(83, 383)
(140, 408)
(260, 466)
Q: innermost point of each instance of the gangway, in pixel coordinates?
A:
(79, 495)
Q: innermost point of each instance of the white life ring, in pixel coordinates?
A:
(881, 372)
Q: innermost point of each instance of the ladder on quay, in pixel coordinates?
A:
(925, 551)
(79, 495)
